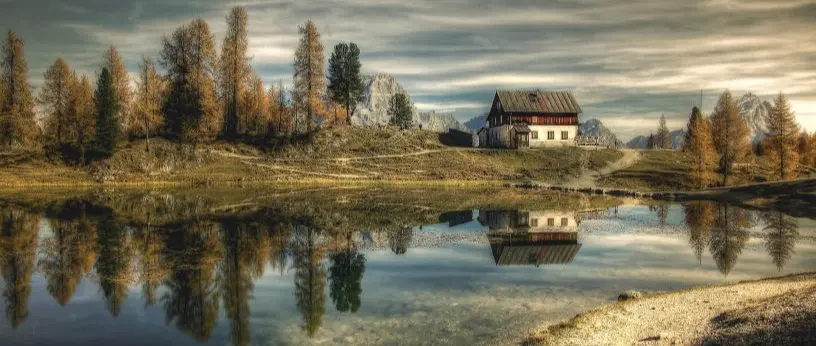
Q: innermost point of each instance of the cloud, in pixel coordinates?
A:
(624, 60)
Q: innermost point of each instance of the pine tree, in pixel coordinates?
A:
(147, 116)
(663, 135)
(17, 124)
(700, 145)
(345, 83)
(399, 109)
(107, 123)
(310, 84)
(730, 134)
(234, 70)
(191, 108)
(650, 141)
(783, 132)
(53, 98)
(121, 82)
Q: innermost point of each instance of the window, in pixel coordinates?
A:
(534, 134)
(550, 222)
(533, 222)
(564, 135)
(564, 222)
(550, 135)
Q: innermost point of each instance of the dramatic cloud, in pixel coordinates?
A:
(626, 61)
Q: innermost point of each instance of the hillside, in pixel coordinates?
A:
(343, 153)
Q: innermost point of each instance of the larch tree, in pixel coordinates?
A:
(254, 107)
(234, 70)
(81, 113)
(345, 83)
(807, 150)
(17, 118)
(310, 83)
(279, 121)
(700, 146)
(121, 82)
(107, 121)
(730, 134)
(53, 98)
(695, 113)
(191, 108)
(146, 118)
(399, 109)
(782, 135)
(663, 135)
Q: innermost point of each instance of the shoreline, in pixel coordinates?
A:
(778, 310)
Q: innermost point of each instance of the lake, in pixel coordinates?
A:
(357, 265)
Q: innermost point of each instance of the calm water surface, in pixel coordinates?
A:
(81, 272)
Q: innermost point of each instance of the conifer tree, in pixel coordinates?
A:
(345, 83)
(730, 134)
(663, 137)
(695, 113)
(783, 132)
(121, 82)
(700, 146)
(82, 114)
(191, 108)
(254, 107)
(650, 141)
(107, 123)
(400, 111)
(279, 118)
(17, 124)
(234, 70)
(147, 116)
(807, 150)
(53, 98)
(310, 84)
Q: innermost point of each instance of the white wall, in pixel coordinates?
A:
(542, 140)
(541, 221)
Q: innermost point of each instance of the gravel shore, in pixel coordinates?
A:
(778, 311)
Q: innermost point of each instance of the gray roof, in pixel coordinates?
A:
(541, 101)
(534, 254)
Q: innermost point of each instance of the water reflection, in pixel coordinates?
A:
(190, 265)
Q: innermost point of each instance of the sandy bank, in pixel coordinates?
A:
(778, 311)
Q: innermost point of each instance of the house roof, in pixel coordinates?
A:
(537, 101)
(534, 254)
(521, 128)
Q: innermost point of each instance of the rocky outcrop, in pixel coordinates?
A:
(594, 127)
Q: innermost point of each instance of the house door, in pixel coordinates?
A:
(522, 140)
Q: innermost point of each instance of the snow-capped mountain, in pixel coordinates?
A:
(755, 112)
(379, 89)
(594, 127)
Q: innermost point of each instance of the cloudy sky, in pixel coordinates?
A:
(626, 61)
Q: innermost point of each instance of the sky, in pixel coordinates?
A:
(627, 62)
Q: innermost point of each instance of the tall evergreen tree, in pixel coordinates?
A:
(730, 134)
(345, 83)
(191, 108)
(399, 109)
(650, 141)
(700, 146)
(53, 98)
(17, 124)
(234, 70)
(120, 79)
(663, 134)
(310, 84)
(147, 116)
(782, 137)
(107, 123)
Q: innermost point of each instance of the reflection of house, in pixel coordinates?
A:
(531, 237)
(531, 118)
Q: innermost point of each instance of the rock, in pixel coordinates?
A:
(629, 295)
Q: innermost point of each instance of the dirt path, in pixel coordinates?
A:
(357, 158)
(774, 312)
(589, 179)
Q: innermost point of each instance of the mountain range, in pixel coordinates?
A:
(379, 89)
(594, 127)
(678, 137)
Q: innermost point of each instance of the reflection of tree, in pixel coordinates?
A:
(245, 246)
(68, 254)
(346, 275)
(192, 300)
(400, 240)
(728, 236)
(661, 211)
(18, 253)
(310, 278)
(151, 268)
(699, 220)
(114, 263)
(279, 246)
(783, 232)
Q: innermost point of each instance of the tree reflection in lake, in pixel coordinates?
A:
(18, 253)
(782, 234)
(114, 264)
(310, 277)
(699, 218)
(69, 252)
(346, 275)
(728, 236)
